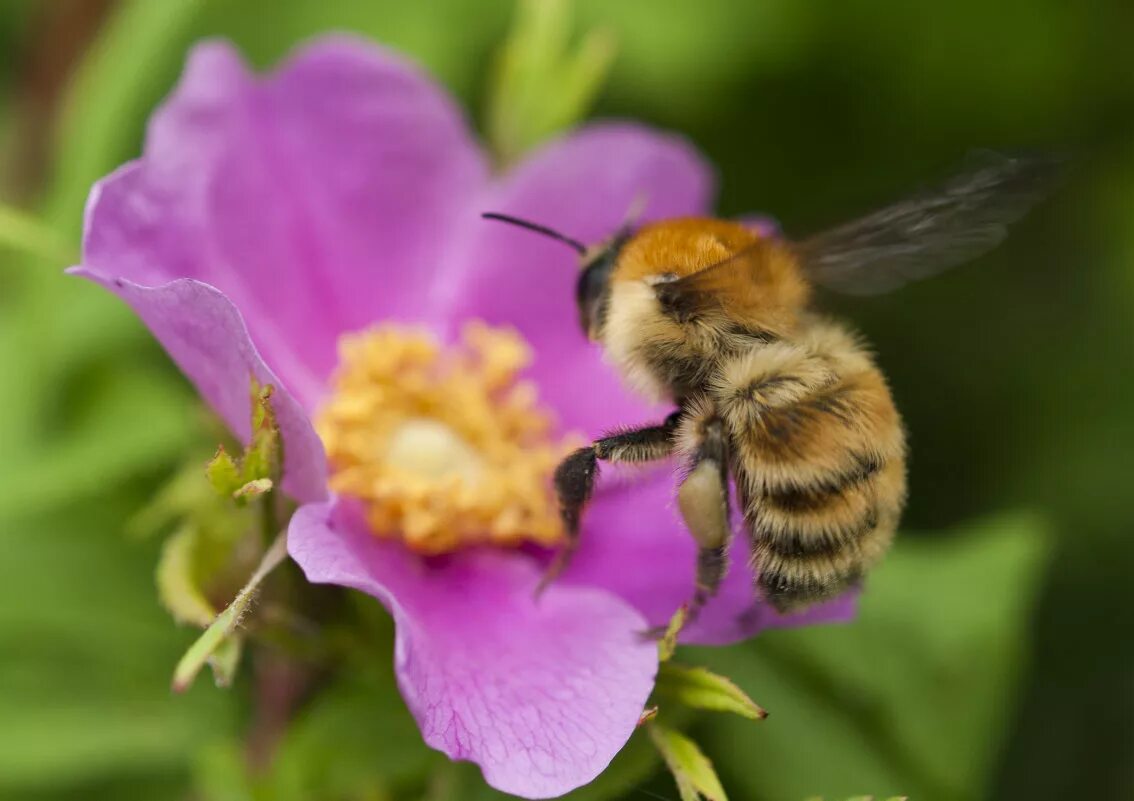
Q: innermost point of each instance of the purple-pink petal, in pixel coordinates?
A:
(204, 334)
(583, 184)
(540, 693)
(317, 198)
(634, 544)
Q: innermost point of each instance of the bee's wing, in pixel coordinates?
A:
(953, 223)
(735, 283)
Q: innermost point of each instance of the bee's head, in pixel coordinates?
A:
(592, 291)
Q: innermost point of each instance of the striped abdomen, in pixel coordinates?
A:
(819, 457)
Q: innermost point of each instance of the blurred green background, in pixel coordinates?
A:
(993, 658)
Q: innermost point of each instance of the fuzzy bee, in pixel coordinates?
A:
(717, 319)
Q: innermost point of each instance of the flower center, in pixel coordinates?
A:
(444, 447)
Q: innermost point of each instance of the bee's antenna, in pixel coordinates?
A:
(539, 229)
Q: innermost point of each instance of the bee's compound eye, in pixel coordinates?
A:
(591, 283)
(589, 292)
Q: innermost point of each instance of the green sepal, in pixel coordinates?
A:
(258, 470)
(178, 586)
(262, 457)
(692, 770)
(667, 645)
(700, 688)
(223, 473)
(227, 622)
(200, 561)
(253, 489)
(206, 556)
(226, 659)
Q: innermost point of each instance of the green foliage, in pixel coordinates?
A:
(865, 798)
(700, 688)
(906, 699)
(810, 111)
(691, 769)
(255, 472)
(206, 545)
(354, 740)
(224, 628)
(542, 86)
(179, 579)
(224, 474)
(679, 688)
(26, 235)
(667, 645)
(86, 661)
(212, 546)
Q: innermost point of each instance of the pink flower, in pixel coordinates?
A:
(270, 216)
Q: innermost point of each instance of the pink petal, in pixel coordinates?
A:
(634, 544)
(317, 198)
(540, 695)
(583, 184)
(203, 333)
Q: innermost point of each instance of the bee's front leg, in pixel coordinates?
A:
(575, 477)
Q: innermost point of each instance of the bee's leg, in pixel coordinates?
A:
(704, 504)
(575, 477)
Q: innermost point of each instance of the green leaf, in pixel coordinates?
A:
(691, 769)
(700, 688)
(913, 697)
(542, 86)
(227, 621)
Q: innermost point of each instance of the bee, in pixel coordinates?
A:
(771, 397)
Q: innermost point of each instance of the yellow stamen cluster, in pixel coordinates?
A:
(444, 447)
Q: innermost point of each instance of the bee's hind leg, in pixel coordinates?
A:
(575, 477)
(704, 504)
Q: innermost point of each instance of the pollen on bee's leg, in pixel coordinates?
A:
(444, 446)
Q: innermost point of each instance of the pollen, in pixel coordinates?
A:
(444, 447)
